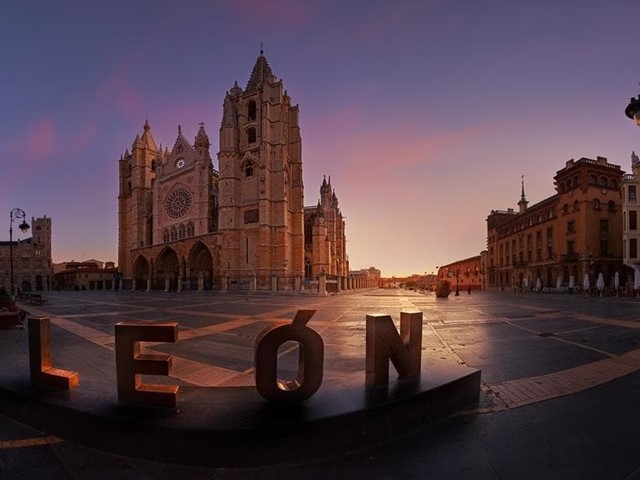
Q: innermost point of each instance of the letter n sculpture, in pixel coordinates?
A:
(383, 344)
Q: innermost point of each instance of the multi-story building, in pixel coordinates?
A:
(630, 210)
(366, 277)
(85, 275)
(558, 241)
(466, 274)
(184, 224)
(31, 259)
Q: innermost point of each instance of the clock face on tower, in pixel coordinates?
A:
(180, 163)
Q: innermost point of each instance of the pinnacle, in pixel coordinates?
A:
(260, 74)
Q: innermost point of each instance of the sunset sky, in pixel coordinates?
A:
(424, 113)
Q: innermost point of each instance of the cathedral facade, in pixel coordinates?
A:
(185, 225)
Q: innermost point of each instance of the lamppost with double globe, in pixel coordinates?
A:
(15, 214)
(633, 109)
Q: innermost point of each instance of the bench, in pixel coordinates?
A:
(11, 319)
(35, 298)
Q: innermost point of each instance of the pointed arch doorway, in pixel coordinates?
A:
(167, 267)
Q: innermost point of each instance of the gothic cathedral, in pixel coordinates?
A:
(185, 225)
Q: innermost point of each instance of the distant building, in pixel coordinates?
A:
(85, 275)
(464, 274)
(392, 282)
(557, 241)
(630, 209)
(31, 259)
(366, 277)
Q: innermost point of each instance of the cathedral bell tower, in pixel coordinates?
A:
(137, 171)
(261, 212)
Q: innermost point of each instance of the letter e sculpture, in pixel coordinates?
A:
(131, 364)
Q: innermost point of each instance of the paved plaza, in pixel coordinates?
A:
(559, 380)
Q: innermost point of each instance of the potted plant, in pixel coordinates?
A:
(5, 299)
(443, 289)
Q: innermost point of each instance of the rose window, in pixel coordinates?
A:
(178, 203)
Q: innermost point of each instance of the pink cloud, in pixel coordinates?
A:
(374, 156)
(39, 142)
(34, 147)
(117, 92)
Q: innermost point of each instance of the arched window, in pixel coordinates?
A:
(576, 205)
(190, 229)
(251, 135)
(613, 184)
(592, 180)
(248, 170)
(611, 206)
(181, 231)
(565, 208)
(596, 204)
(603, 182)
(576, 181)
(251, 111)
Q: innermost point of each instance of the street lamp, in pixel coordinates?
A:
(633, 109)
(16, 214)
(457, 275)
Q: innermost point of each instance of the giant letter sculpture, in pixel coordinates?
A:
(383, 344)
(40, 357)
(130, 363)
(310, 360)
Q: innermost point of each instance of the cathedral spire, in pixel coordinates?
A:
(523, 200)
(261, 73)
(147, 139)
(202, 143)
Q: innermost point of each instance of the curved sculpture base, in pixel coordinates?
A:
(235, 427)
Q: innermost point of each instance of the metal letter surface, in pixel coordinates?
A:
(131, 364)
(383, 344)
(310, 360)
(42, 372)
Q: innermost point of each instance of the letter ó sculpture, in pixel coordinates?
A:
(310, 360)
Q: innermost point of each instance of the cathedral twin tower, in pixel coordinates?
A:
(183, 224)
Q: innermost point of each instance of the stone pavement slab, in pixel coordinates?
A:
(566, 406)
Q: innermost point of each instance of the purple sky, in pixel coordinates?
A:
(424, 113)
